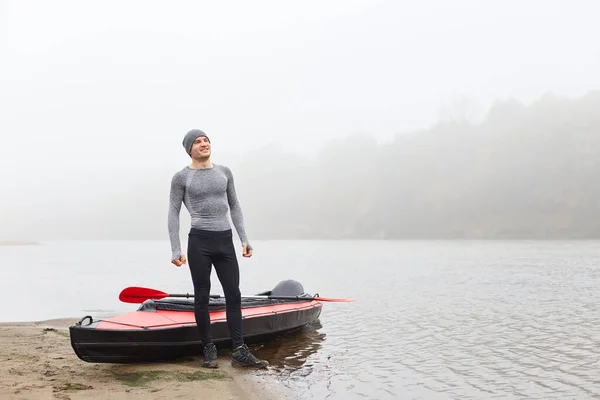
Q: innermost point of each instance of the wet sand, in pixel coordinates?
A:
(37, 362)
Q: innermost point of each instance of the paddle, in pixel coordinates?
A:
(136, 294)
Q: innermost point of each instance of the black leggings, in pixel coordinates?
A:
(207, 248)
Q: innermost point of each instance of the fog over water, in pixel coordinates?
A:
(343, 119)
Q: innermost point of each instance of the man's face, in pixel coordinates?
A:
(201, 148)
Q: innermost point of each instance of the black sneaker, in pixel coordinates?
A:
(210, 356)
(242, 357)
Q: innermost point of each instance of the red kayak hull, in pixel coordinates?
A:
(154, 334)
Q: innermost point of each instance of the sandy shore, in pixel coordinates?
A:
(37, 362)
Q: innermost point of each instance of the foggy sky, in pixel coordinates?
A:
(96, 97)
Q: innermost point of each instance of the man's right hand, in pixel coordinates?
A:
(180, 261)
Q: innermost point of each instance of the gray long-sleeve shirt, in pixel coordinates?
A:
(207, 194)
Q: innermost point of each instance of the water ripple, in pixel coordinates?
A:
(462, 330)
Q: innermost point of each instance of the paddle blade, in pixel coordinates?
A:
(136, 294)
(334, 300)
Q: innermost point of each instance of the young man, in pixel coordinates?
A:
(208, 192)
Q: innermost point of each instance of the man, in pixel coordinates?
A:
(208, 192)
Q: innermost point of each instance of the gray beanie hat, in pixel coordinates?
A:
(189, 138)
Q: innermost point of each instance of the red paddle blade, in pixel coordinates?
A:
(334, 300)
(136, 294)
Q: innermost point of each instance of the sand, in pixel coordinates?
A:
(37, 362)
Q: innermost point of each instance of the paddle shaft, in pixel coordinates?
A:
(191, 296)
(217, 296)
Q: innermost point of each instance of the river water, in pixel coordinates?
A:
(432, 320)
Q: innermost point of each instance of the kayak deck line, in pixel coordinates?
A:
(219, 316)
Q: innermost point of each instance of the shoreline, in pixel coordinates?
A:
(38, 362)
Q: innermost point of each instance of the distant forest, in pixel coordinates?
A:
(524, 172)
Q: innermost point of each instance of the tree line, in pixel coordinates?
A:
(523, 172)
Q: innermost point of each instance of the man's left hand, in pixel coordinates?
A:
(246, 252)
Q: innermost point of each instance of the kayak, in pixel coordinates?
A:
(163, 329)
